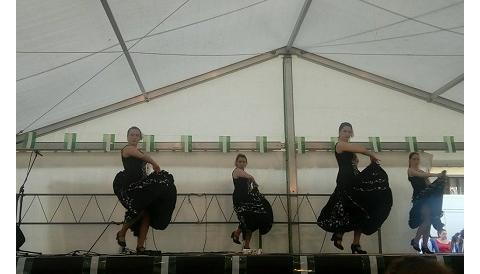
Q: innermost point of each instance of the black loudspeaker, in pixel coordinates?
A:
(20, 237)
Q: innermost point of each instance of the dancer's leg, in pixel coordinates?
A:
(144, 226)
(356, 236)
(247, 237)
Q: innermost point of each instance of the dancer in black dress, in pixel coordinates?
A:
(253, 210)
(427, 200)
(149, 199)
(361, 201)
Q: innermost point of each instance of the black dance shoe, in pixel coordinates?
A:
(235, 239)
(356, 249)
(336, 238)
(426, 250)
(141, 250)
(415, 246)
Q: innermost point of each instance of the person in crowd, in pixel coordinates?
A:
(444, 245)
(416, 265)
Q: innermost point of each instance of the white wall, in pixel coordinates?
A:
(453, 214)
(324, 98)
(243, 105)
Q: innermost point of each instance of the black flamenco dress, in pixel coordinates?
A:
(361, 200)
(252, 209)
(426, 195)
(155, 194)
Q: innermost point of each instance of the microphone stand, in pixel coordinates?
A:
(20, 196)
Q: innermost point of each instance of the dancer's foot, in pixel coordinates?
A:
(235, 237)
(357, 249)
(426, 250)
(246, 251)
(140, 249)
(415, 245)
(337, 240)
(121, 239)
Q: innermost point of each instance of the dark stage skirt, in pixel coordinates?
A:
(363, 203)
(253, 210)
(155, 194)
(431, 197)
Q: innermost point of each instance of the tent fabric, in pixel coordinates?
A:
(69, 60)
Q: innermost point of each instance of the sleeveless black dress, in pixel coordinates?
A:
(137, 192)
(361, 200)
(252, 209)
(426, 195)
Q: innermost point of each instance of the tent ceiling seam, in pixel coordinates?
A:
(386, 26)
(409, 18)
(298, 23)
(114, 25)
(447, 87)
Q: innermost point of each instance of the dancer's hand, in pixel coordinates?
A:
(374, 159)
(156, 168)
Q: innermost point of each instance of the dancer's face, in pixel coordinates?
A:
(415, 161)
(442, 234)
(241, 163)
(134, 136)
(346, 133)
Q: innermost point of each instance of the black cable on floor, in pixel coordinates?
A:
(101, 234)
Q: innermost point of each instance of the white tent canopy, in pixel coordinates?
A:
(70, 61)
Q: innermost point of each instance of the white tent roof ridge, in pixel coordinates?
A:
(154, 94)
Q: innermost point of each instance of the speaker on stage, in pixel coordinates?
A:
(20, 238)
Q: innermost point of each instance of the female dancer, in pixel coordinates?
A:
(427, 202)
(149, 200)
(361, 201)
(253, 210)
